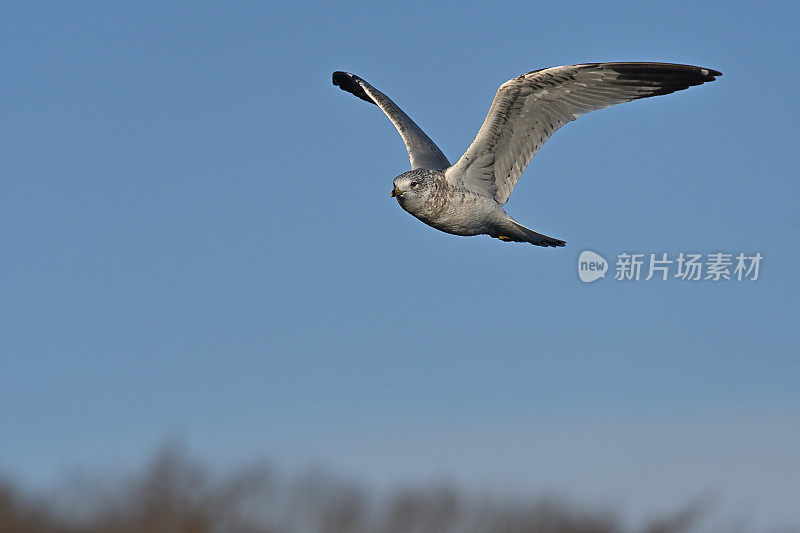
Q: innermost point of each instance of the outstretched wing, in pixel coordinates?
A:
(422, 151)
(527, 110)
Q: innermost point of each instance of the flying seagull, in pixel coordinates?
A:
(467, 198)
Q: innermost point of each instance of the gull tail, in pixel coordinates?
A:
(519, 233)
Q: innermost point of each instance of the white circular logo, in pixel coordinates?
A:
(591, 266)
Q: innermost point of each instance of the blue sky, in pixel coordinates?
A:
(199, 242)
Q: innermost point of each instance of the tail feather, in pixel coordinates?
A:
(523, 234)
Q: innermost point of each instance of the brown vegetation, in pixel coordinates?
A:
(177, 495)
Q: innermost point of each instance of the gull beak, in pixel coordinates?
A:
(396, 192)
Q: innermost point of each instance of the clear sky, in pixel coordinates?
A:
(198, 241)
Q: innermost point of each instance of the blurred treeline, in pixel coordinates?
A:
(176, 494)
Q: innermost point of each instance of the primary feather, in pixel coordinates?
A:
(422, 151)
(528, 109)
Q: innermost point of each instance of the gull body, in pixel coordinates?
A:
(454, 209)
(467, 198)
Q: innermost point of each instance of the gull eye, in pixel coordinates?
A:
(413, 184)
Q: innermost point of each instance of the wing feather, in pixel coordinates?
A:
(528, 109)
(422, 151)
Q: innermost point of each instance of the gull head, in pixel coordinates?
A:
(412, 189)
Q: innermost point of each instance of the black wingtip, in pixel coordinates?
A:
(349, 82)
(664, 78)
(665, 70)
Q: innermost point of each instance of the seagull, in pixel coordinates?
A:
(467, 198)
